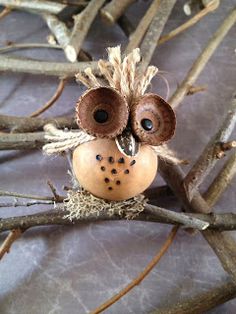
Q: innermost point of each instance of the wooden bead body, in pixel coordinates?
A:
(105, 172)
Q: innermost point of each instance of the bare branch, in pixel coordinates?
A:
(82, 23)
(221, 182)
(34, 5)
(31, 196)
(22, 141)
(26, 124)
(114, 9)
(137, 36)
(59, 69)
(154, 32)
(211, 153)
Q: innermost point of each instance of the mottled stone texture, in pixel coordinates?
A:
(74, 269)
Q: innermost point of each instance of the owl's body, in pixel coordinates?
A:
(107, 173)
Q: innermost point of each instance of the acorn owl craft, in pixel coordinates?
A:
(121, 132)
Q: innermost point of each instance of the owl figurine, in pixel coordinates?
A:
(121, 129)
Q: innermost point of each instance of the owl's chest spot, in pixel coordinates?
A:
(115, 170)
(102, 169)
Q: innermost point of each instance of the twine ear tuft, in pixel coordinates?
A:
(121, 74)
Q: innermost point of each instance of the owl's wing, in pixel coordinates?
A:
(165, 153)
(60, 141)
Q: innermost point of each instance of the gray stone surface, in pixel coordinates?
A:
(74, 269)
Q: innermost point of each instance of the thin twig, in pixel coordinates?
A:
(137, 36)
(57, 197)
(52, 100)
(10, 239)
(114, 9)
(31, 196)
(15, 46)
(34, 5)
(211, 153)
(82, 23)
(26, 124)
(153, 34)
(192, 21)
(60, 69)
(83, 55)
(16, 203)
(203, 58)
(187, 221)
(141, 276)
(5, 12)
(203, 301)
(196, 89)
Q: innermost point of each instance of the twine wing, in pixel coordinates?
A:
(63, 140)
(165, 153)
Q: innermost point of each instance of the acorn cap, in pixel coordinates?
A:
(152, 119)
(102, 112)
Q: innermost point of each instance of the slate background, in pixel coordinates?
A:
(74, 269)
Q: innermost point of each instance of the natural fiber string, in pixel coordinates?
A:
(63, 140)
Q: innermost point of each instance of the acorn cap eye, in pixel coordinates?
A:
(100, 116)
(102, 112)
(152, 119)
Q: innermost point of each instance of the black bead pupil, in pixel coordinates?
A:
(100, 116)
(147, 124)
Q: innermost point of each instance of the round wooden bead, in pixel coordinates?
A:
(105, 172)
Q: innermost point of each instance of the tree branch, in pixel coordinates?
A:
(151, 213)
(153, 34)
(82, 23)
(27, 124)
(221, 182)
(22, 141)
(114, 9)
(137, 36)
(59, 69)
(34, 5)
(211, 153)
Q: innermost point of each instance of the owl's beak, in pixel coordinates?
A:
(127, 144)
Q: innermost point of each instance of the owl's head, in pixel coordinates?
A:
(121, 110)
